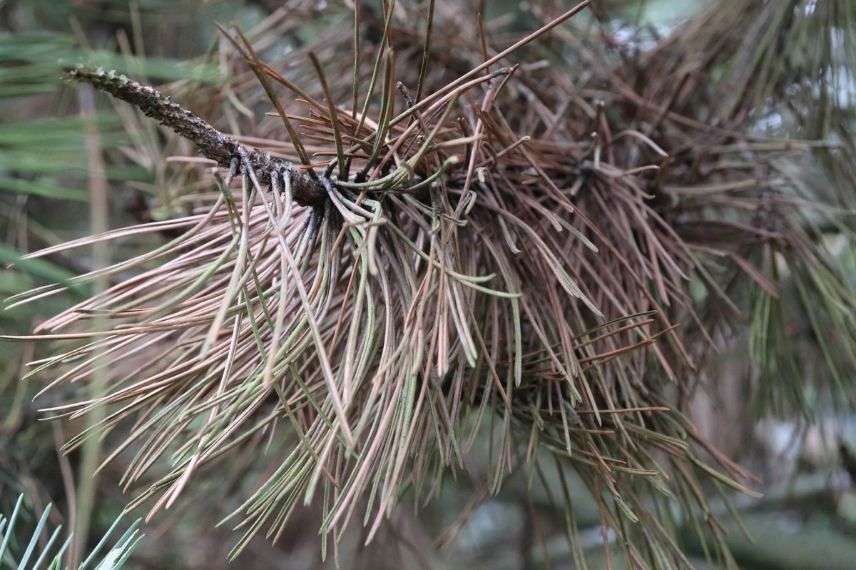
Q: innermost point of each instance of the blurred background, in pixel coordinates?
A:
(73, 163)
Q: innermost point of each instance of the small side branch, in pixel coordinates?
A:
(213, 144)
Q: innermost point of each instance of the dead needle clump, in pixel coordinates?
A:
(509, 251)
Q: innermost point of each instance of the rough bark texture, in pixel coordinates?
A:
(222, 148)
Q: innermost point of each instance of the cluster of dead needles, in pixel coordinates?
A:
(435, 236)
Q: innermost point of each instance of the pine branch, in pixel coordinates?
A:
(213, 144)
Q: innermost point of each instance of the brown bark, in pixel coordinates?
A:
(306, 187)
